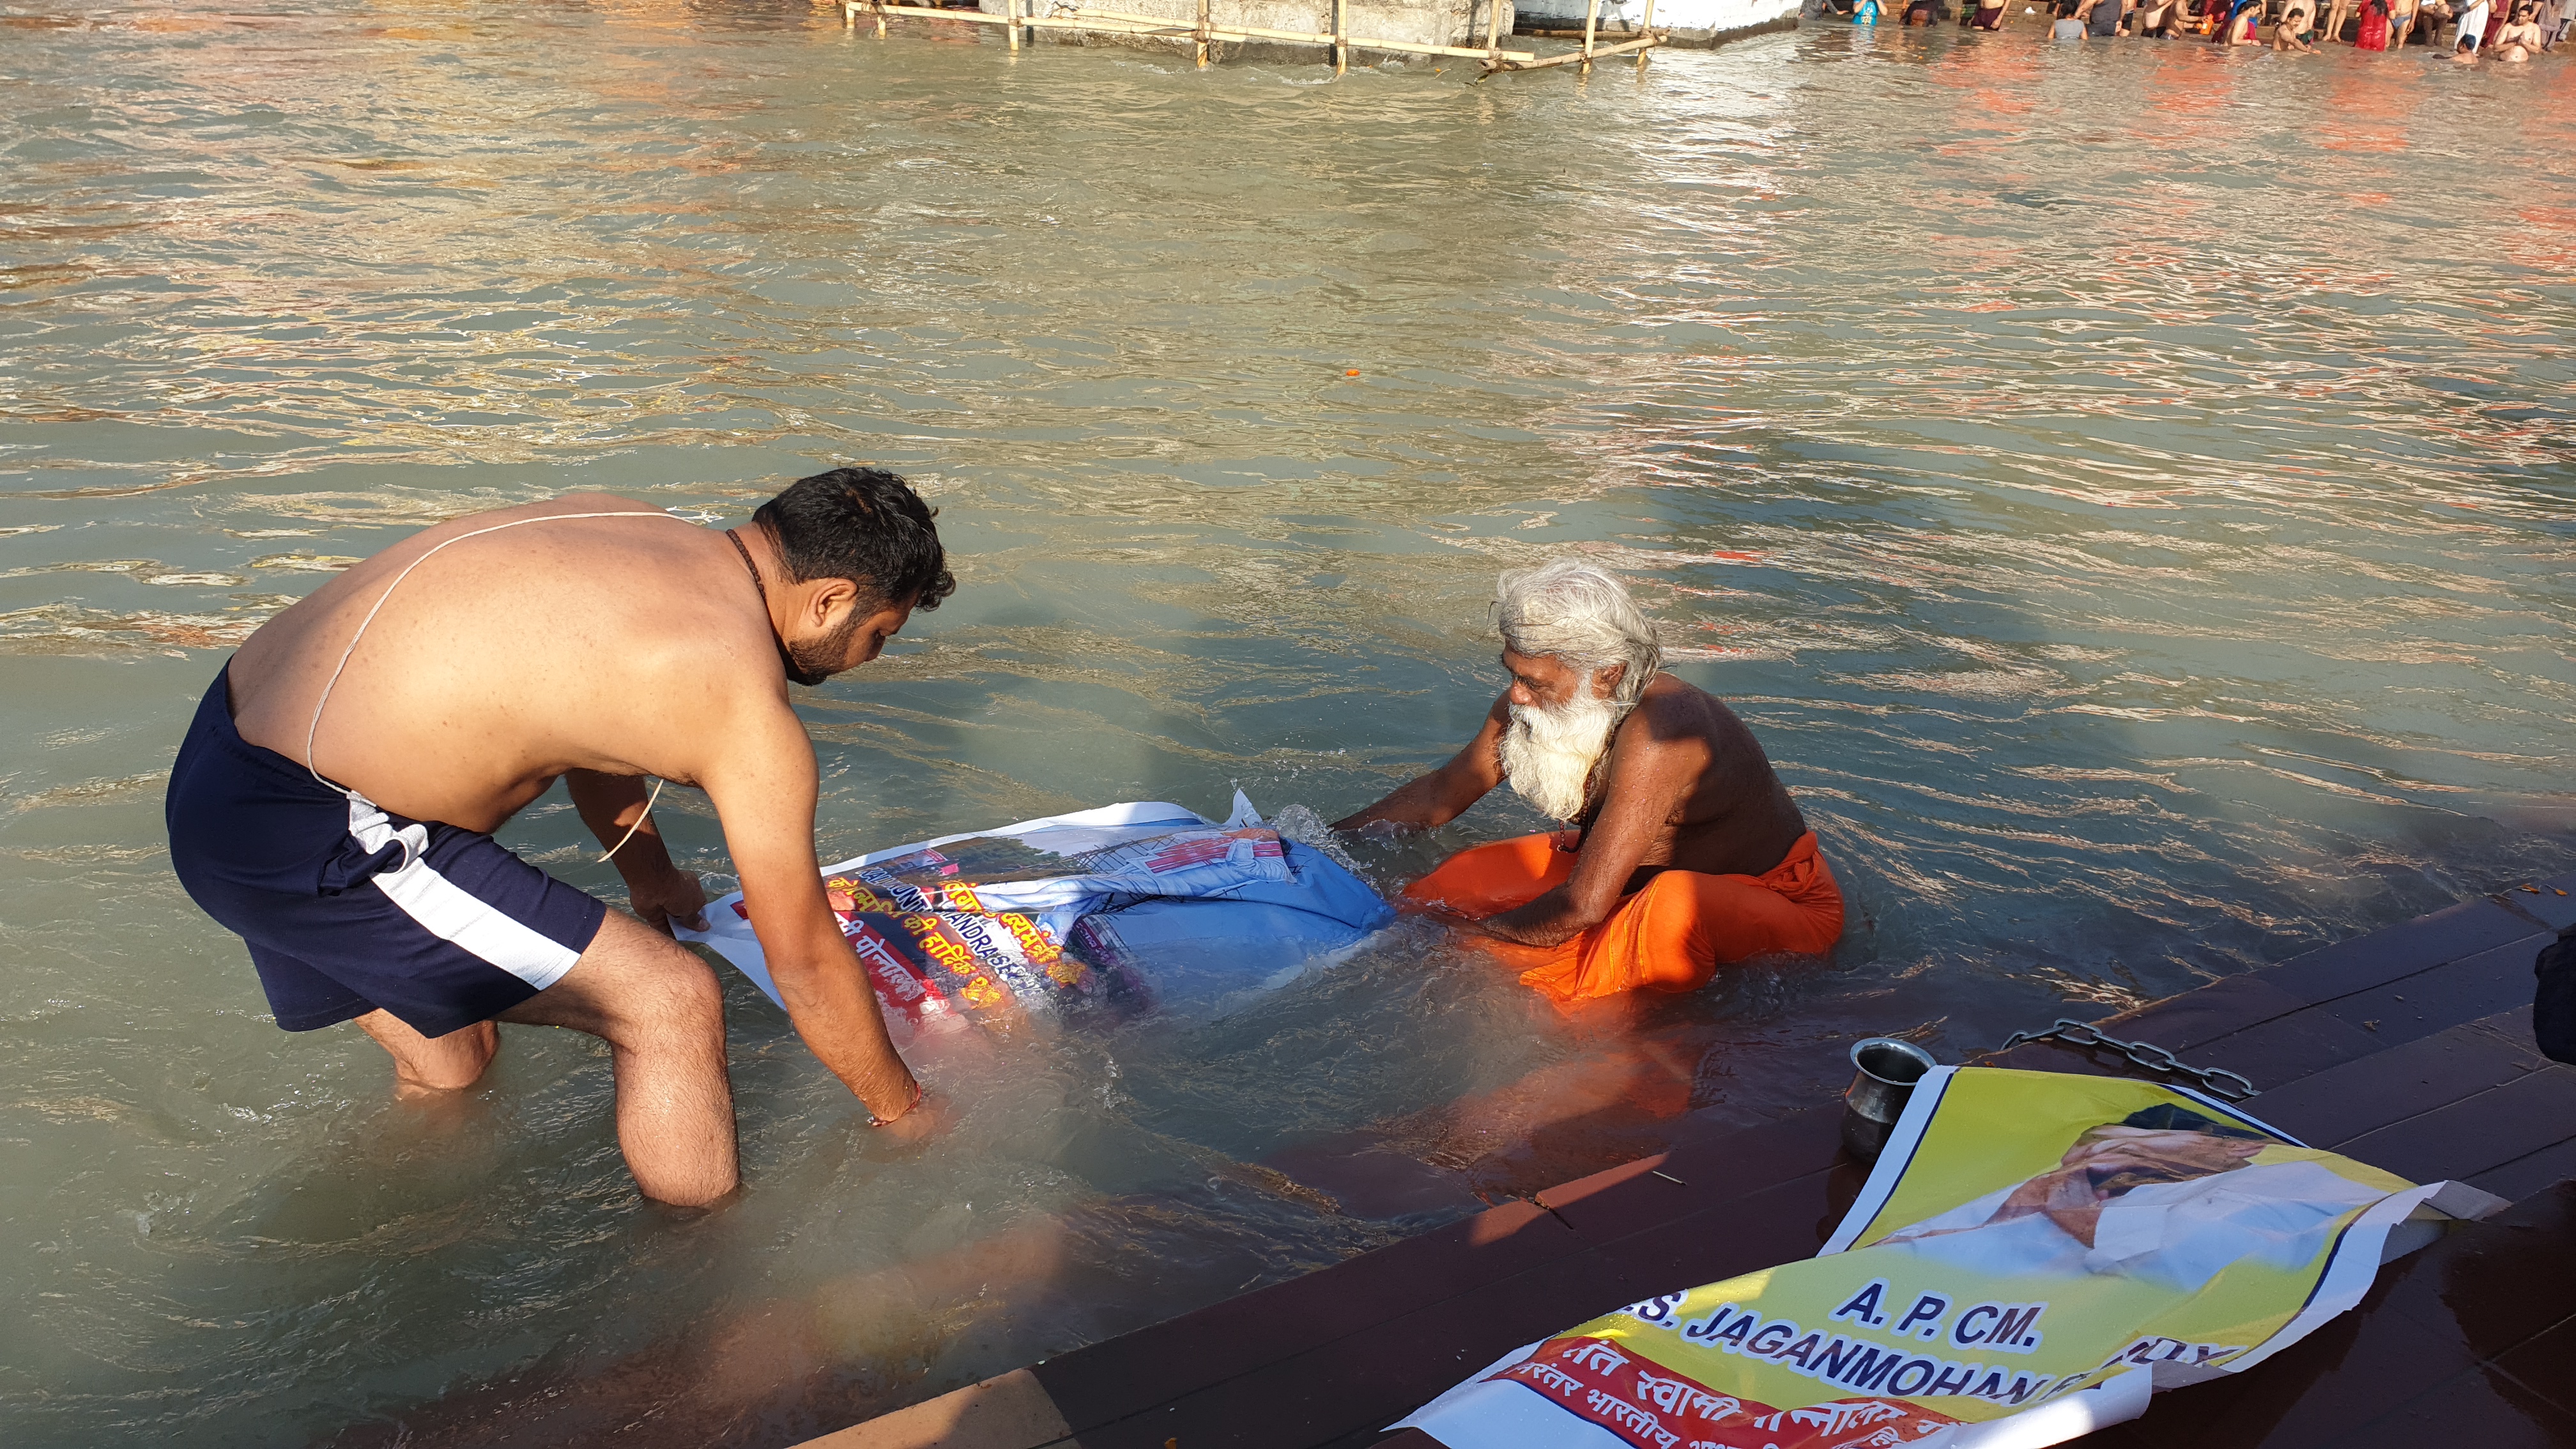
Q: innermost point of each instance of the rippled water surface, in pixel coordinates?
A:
(2126, 487)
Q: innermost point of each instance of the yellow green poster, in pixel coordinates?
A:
(2033, 1255)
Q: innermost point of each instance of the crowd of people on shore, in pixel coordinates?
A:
(2510, 31)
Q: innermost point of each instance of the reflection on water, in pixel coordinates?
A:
(2126, 488)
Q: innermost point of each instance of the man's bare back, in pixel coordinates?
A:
(627, 646)
(591, 639)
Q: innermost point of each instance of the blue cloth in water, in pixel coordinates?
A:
(1193, 951)
(1121, 910)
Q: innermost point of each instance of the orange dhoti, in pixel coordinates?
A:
(1671, 936)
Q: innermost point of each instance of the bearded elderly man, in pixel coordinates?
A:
(1685, 852)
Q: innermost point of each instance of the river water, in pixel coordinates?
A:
(2126, 487)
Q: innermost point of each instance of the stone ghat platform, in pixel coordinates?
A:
(2409, 1048)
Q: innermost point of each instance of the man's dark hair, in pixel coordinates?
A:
(861, 524)
(2166, 1117)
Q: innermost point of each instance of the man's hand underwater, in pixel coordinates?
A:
(900, 1111)
(668, 896)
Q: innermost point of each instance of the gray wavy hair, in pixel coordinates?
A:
(1579, 613)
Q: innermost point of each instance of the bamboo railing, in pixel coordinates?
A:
(1020, 15)
(1647, 39)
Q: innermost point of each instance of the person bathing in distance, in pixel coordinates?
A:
(335, 799)
(1684, 852)
(2292, 31)
(2519, 39)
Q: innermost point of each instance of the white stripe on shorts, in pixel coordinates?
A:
(447, 911)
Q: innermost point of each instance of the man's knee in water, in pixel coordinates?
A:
(423, 1064)
(682, 1009)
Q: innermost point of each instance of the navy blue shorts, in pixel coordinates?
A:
(348, 908)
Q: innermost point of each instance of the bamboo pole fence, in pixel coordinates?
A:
(1205, 33)
(1584, 58)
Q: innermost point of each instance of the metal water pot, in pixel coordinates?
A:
(1885, 1071)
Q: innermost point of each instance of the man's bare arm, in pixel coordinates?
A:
(660, 891)
(1650, 776)
(763, 790)
(1430, 801)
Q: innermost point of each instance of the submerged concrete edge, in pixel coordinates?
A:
(1681, 39)
(1010, 1411)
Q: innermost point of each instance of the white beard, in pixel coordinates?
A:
(1548, 754)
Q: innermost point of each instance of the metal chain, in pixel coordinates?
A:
(2144, 1053)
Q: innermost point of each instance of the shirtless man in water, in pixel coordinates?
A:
(335, 800)
(2519, 39)
(1685, 852)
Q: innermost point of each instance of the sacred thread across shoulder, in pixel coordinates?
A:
(315, 727)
